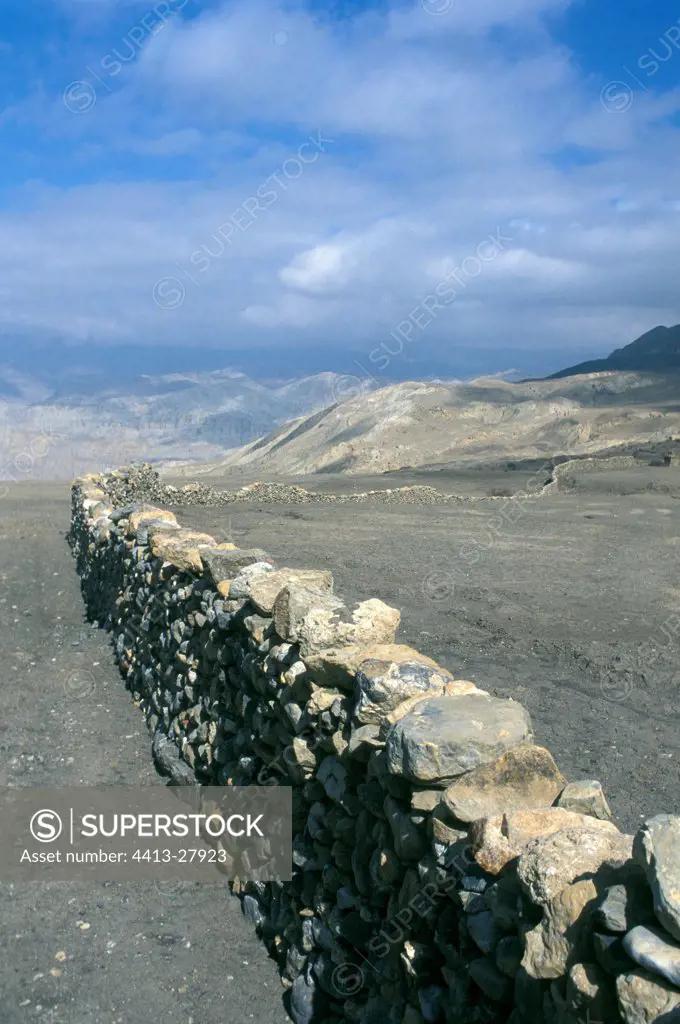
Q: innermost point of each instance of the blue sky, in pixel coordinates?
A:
(269, 173)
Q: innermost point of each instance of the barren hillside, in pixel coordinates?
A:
(431, 424)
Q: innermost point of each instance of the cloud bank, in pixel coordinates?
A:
(257, 173)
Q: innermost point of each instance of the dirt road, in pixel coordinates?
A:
(106, 953)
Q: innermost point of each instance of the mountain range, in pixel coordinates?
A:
(103, 407)
(438, 425)
(169, 416)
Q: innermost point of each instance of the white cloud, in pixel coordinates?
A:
(321, 269)
(442, 136)
(538, 270)
(291, 311)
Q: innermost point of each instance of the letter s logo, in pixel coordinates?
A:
(46, 826)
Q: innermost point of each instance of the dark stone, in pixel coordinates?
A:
(363, 741)
(252, 911)
(492, 982)
(472, 902)
(169, 761)
(355, 930)
(305, 1001)
(653, 949)
(472, 884)
(324, 972)
(125, 511)
(610, 954)
(509, 952)
(372, 795)
(409, 841)
(224, 565)
(383, 685)
(625, 906)
(484, 931)
(657, 850)
(444, 737)
(149, 526)
(504, 899)
(430, 999)
(529, 994)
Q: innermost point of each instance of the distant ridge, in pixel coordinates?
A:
(657, 351)
(418, 425)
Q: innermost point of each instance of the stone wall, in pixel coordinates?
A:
(444, 869)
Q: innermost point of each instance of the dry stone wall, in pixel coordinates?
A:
(444, 869)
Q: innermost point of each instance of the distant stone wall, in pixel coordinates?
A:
(444, 870)
(141, 482)
(596, 464)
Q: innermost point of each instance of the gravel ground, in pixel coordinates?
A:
(570, 609)
(134, 953)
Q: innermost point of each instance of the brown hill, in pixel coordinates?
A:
(421, 424)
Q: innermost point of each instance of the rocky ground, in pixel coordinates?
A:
(569, 603)
(88, 953)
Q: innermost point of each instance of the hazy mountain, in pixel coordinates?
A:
(85, 369)
(418, 424)
(67, 409)
(65, 429)
(657, 351)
